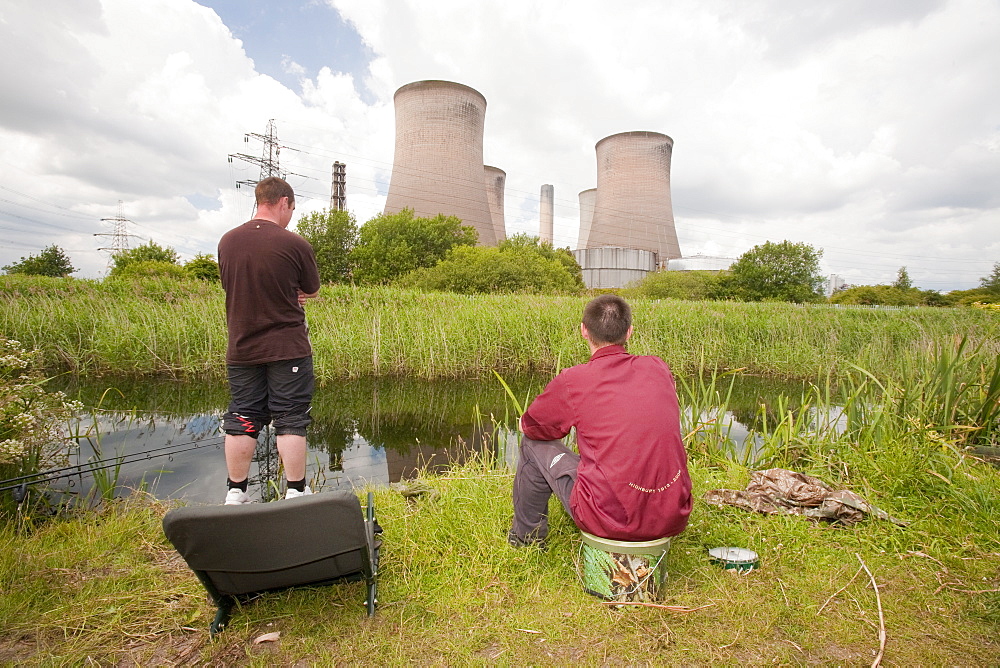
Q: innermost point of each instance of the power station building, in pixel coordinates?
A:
(496, 180)
(438, 162)
(627, 224)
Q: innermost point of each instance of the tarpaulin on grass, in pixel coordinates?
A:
(783, 492)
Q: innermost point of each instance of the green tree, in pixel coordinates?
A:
(333, 235)
(51, 261)
(203, 266)
(692, 285)
(481, 269)
(903, 281)
(391, 245)
(783, 271)
(148, 252)
(992, 282)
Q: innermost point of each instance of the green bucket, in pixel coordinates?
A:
(623, 571)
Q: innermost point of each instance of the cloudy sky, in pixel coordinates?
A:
(868, 129)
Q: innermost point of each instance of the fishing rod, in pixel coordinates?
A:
(134, 455)
(107, 462)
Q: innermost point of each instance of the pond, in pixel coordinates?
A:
(164, 437)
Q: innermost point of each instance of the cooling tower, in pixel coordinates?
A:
(633, 208)
(546, 212)
(588, 198)
(495, 180)
(438, 163)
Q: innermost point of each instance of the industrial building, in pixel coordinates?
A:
(438, 162)
(496, 180)
(700, 263)
(546, 213)
(588, 198)
(630, 219)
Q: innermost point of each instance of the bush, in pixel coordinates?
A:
(691, 285)
(525, 242)
(148, 252)
(392, 245)
(476, 270)
(970, 297)
(51, 261)
(882, 295)
(785, 271)
(31, 420)
(333, 235)
(150, 268)
(203, 267)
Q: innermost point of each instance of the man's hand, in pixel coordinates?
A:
(303, 296)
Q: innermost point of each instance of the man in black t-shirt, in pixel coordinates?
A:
(268, 273)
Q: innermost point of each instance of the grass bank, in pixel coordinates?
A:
(105, 587)
(170, 328)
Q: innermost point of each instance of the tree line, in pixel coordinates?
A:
(440, 253)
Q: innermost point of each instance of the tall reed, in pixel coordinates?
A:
(172, 328)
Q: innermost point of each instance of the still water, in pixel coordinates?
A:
(365, 431)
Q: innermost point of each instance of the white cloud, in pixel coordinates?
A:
(863, 129)
(870, 130)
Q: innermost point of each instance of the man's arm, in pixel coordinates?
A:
(549, 417)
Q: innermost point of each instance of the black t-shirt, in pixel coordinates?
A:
(262, 267)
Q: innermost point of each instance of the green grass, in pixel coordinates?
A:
(177, 329)
(106, 587)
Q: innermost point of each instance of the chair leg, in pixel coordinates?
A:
(371, 575)
(372, 592)
(222, 615)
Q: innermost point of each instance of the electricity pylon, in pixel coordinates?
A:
(119, 236)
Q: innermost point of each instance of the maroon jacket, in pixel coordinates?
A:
(632, 483)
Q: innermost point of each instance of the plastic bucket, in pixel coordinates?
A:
(622, 571)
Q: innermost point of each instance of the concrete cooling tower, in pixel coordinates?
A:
(588, 198)
(546, 213)
(438, 163)
(633, 208)
(495, 180)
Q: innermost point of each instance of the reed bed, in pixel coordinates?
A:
(177, 329)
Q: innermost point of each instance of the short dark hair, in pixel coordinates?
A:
(607, 319)
(272, 189)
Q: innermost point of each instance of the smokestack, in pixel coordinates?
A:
(438, 161)
(338, 187)
(495, 180)
(633, 208)
(546, 213)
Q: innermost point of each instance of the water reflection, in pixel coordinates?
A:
(364, 431)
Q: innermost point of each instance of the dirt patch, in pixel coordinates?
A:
(14, 652)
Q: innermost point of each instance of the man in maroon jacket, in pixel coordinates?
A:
(629, 481)
(268, 273)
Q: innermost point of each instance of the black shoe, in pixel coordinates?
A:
(515, 541)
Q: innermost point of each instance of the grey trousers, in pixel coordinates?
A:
(543, 468)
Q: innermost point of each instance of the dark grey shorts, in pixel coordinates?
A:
(279, 391)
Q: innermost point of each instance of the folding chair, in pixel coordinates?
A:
(240, 552)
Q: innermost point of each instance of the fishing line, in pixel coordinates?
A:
(107, 462)
(139, 455)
